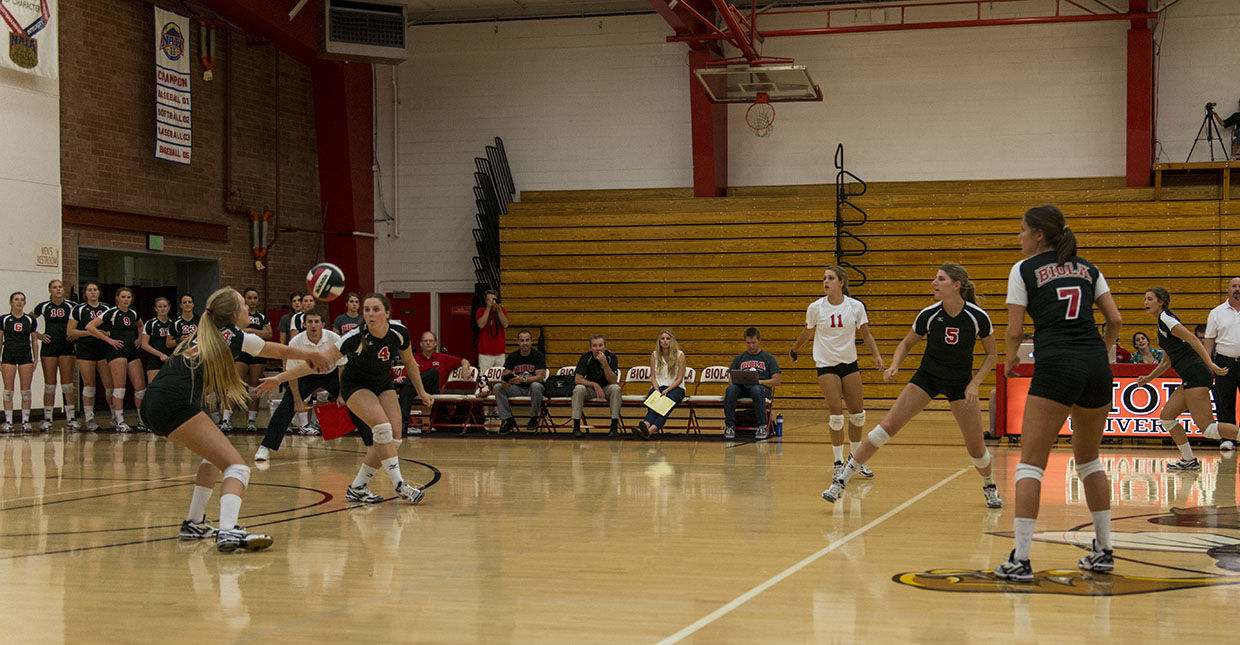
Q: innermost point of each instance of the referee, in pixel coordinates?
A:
(1223, 343)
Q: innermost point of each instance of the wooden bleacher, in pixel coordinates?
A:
(628, 263)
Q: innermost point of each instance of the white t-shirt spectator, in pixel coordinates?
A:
(835, 330)
(1223, 325)
(327, 339)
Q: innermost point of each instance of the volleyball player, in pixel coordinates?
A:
(185, 324)
(56, 354)
(352, 316)
(1072, 376)
(833, 322)
(285, 320)
(250, 368)
(90, 351)
(366, 387)
(154, 340)
(1186, 354)
(953, 326)
(119, 328)
(174, 409)
(18, 348)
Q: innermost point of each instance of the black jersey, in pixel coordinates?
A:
(84, 313)
(257, 321)
(1179, 352)
(55, 317)
(182, 328)
(158, 332)
(17, 330)
(950, 339)
(1060, 300)
(374, 360)
(121, 325)
(177, 378)
(297, 324)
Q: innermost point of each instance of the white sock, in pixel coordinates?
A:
(198, 503)
(230, 508)
(854, 446)
(68, 412)
(226, 415)
(8, 416)
(119, 416)
(1102, 528)
(47, 413)
(302, 420)
(252, 415)
(850, 469)
(988, 480)
(392, 466)
(25, 416)
(364, 475)
(1024, 536)
(88, 411)
(1186, 450)
(839, 452)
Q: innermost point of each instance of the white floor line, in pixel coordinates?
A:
(777, 578)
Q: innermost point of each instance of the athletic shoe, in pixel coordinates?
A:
(729, 432)
(865, 471)
(46, 426)
(1227, 446)
(310, 431)
(1185, 464)
(226, 427)
(122, 427)
(1100, 560)
(642, 430)
(835, 492)
(141, 427)
(761, 433)
(26, 427)
(91, 426)
(250, 427)
(1015, 571)
(199, 530)
(508, 425)
(532, 426)
(412, 430)
(73, 424)
(839, 470)
(408, 493)
(6, 428)
(262, 454)
(238, 538)
(363, 494)
(991, 492)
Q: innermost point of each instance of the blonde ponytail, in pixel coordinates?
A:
(213, 355)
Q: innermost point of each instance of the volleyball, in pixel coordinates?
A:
(325, 280)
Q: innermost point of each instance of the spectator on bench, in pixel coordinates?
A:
(667, 375)
(597, 377)
(435, 366)
(760, 360)
(524, 373)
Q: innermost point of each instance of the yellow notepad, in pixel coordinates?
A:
(659, 403)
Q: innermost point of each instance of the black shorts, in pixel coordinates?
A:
(349, 387)
(251, 360)
(164, 412)
(1083, 381)
(17, 356)
(151, 362)
(841, 370)
(1194, 374)
(952, 389)
(127, 352)
(91, 349)
(57, 348)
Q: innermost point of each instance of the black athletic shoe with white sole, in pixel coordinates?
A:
(1099, 560)
(362, 494)
(199, 530)
(238, 538)
(409, 493)
(1015, 570)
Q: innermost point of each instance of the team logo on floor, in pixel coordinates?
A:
(1222, 549)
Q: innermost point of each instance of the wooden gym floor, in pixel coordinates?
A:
(542, 540)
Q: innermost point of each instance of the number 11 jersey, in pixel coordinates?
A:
(835, 330)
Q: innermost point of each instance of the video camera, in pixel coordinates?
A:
(1210, 107)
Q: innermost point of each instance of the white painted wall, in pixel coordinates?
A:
(1198, 62)
(590, 103)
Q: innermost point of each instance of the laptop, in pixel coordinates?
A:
(744, 377)
(1026, 352)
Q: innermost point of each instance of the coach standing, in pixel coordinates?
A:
(1223, 343)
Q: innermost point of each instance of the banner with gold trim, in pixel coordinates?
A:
(173, 99)
(31, 29)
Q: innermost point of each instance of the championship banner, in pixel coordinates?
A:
(173, 105)
(32, 36)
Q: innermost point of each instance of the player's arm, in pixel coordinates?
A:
(806, 334)
(72, 331)
(1182, 332)
(1110, 332)
(1157, 371)
(92, 329)
(872, 344)
(971, 393)
(265, 332)
(1012, 337)
(906, 344)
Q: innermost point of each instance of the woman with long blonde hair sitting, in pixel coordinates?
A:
(667, 376)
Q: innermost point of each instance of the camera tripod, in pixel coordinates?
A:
(1209, 127)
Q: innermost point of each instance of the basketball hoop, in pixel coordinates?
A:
(761, 115)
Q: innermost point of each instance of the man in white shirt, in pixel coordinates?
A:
(316, 339)
(1223, 343)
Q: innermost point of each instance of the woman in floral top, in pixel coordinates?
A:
(1141, 350)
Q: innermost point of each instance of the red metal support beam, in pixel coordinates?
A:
(1140, 119)
(709, 126)
(740, 39)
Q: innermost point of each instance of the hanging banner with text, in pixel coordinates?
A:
(173, 103)
(31, 28)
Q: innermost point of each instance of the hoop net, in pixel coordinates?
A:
(761, 116)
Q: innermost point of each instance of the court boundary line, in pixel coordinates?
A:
(812, 558)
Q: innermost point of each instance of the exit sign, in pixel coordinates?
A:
(155, 242)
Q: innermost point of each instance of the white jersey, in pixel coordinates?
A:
(328, 339)
(835, 330)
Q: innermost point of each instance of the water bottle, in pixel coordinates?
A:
(779, 425)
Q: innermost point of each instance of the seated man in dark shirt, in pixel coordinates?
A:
(524, 373)
(757, 359)
(597, 377)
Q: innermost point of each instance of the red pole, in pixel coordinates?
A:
(709, 126)
(1140, 121)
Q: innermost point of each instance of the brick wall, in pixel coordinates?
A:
(108, 138)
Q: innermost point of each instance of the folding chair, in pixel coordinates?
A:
(459, 409)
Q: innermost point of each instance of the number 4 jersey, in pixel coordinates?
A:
(370, 362)
(1060, 300)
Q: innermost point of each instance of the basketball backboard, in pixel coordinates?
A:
(743, 83)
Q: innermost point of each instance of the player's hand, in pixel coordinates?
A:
(970, 394)
(45, 338)
(320, 362)
(163, 358)
(115, 343)
(1010, 368)
(267, 385)
(1218, 370)
(889, 374)
(792, 353)
(881, 365)
(299, 406)
(1144, 379)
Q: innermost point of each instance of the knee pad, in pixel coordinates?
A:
(239, 472)
(49, 389)
(8, 396)
(1028, 471)
(88, 390)
(26, 395)
(118, 392)
(836, 422)
(1168, 425)
(857, 419)
(67, 389)
(981, 462)
(878, 436)
(1088, 468)
(138, 394)
(1211, 432)
(382, 433)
